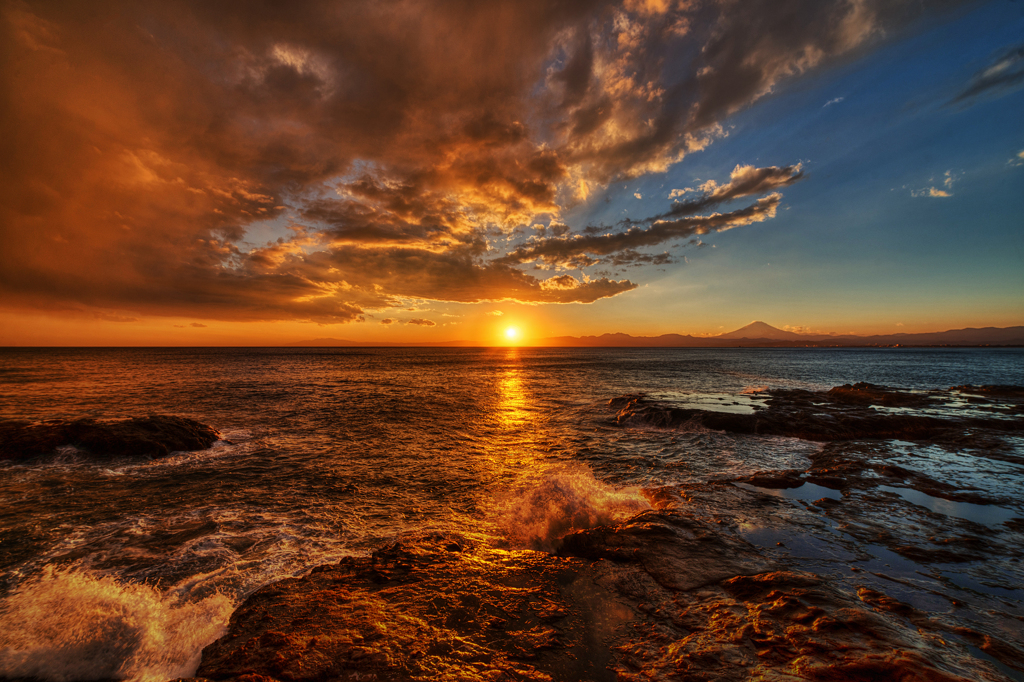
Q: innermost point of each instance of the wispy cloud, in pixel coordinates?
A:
(579, 248)
(948, 179)
(744, 181)
(1005, 73)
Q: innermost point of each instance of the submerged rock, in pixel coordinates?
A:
(140, 437)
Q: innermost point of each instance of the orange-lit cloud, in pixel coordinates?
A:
(147, 146)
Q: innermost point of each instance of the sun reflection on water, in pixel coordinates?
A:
(512, 412)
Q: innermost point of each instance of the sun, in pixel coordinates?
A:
(511, 333)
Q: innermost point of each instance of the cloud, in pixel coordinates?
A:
(836, 100)
(1005, 73)
(387, 320)
(390, 151)
(564, 251)
(620, 248)
(744, 181)
(495, 313)
(198, 325)
(630, 257)
(421, 322)
(935, 192)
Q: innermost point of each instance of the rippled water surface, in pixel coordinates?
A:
(330, 452)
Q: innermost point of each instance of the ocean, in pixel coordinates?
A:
(126, 569)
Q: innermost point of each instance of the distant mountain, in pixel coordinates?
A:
(759, 334)
(760, 330)
(755, 334)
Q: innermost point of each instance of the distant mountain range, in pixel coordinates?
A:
(759, 334)
(754, 335)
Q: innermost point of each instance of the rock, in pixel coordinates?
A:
(421, 611)
(637, 409)
(871, 394)
(676, 599)
(842, 413)
(666, 543)
(140, 437)
(992, 390)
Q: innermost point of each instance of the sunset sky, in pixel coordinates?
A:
(199, 173)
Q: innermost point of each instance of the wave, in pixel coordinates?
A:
(74, 625)
(562, 500)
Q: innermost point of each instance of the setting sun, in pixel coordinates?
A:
(511, 333)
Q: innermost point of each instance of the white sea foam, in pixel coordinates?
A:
(73, 625)
(561, 500)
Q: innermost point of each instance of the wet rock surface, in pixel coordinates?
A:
(140, 437)
(850, 412)
(664, 544)
(676, 598)
(442, 609)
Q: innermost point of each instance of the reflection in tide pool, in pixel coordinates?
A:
(807, 491)
(988, 514)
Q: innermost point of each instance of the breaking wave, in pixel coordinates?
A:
(73, 625)
(560, 501)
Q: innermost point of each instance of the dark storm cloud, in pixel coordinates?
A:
(142, 143)
(1005, 73)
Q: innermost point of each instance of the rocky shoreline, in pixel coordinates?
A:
(775, 575)
(847, 412)
(664, 596)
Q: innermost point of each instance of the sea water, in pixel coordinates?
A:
(127, 568)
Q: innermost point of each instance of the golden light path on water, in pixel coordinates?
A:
(512, 410)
